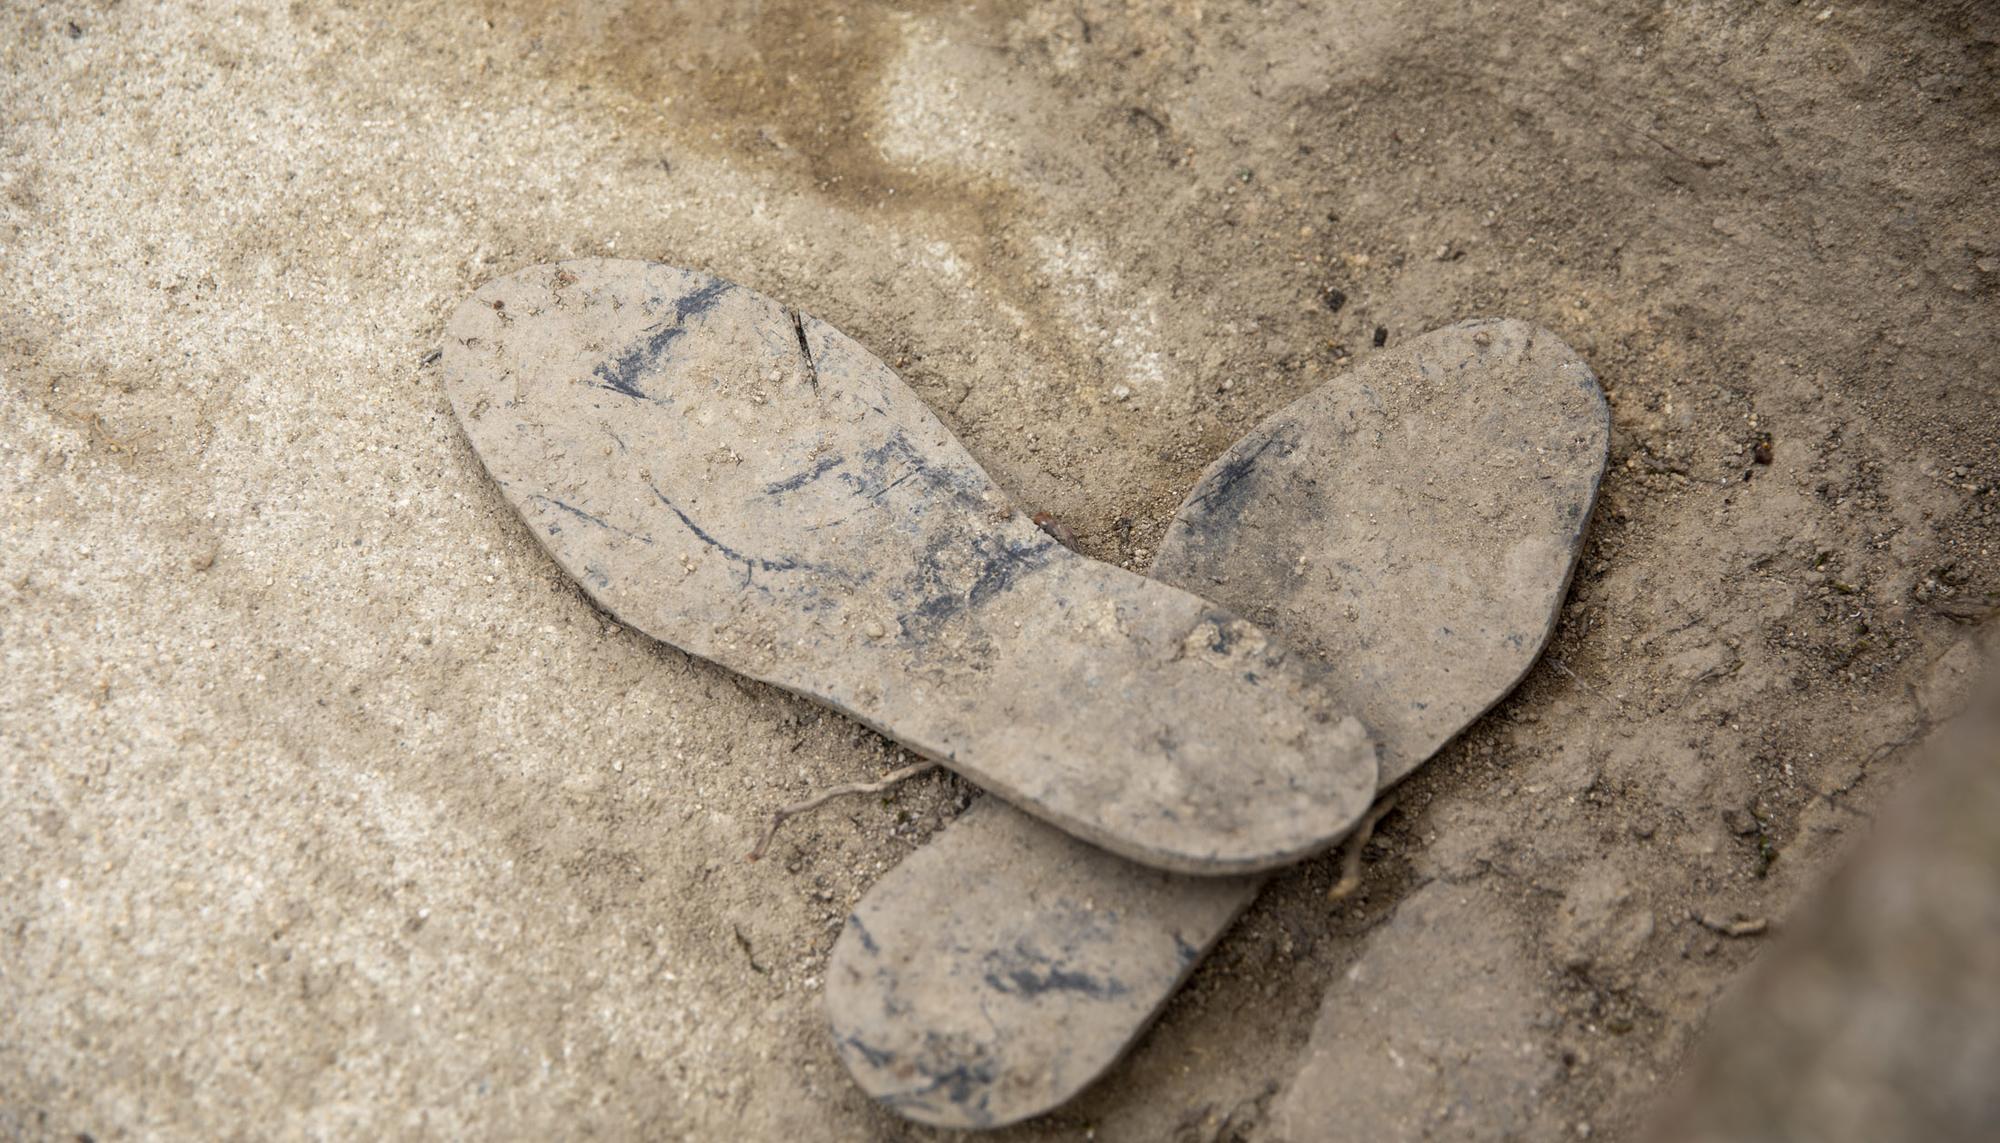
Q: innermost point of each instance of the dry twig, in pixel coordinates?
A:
(1747, 927)
(785, 813)
(95, 425)
(1600, 696)
(1350, 864)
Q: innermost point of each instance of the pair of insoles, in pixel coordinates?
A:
(746, 483)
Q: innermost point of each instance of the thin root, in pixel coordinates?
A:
(786, 813)
(1559, 665)
(1350, 864)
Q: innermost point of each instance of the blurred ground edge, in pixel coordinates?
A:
(1877, 1015)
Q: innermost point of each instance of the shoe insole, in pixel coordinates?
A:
(748, 484)
(1413, 525)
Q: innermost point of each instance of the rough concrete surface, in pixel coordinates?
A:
(1411, 526)
(1431, 1034)
(332, 807)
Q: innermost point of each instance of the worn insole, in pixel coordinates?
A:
(748, 484)
(1413, 524)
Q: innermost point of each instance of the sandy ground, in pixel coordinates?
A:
(328, 807)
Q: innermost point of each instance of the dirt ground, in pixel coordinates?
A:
(328, 807)
(1877, 1015)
